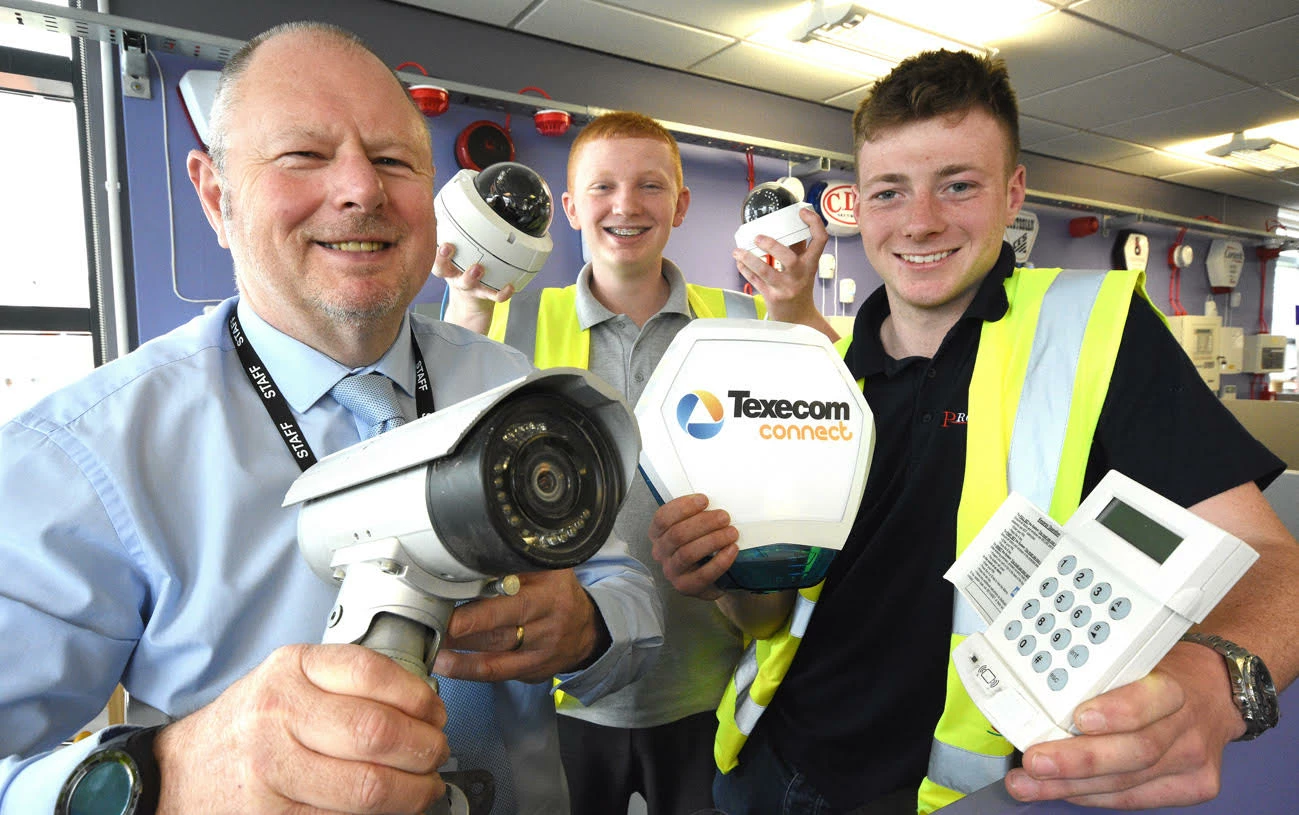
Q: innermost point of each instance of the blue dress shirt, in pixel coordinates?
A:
(143, 541)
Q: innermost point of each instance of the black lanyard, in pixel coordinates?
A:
(278, 407)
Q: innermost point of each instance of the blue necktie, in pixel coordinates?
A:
(474, 736)
(472, 730)
(372, 399)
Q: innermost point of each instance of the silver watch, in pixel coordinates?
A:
(1251, 684)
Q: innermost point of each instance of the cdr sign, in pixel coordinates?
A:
(838, 200)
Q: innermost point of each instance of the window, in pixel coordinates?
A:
(45, 280)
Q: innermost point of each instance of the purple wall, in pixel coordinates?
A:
(701, 246)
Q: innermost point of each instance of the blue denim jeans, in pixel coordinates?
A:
(762, 784)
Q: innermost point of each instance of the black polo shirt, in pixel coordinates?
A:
(856, 712)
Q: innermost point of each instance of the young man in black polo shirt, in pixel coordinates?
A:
(852, 725)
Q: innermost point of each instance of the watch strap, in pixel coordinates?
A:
(1256, 702)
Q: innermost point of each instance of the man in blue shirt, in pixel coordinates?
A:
(144, 541)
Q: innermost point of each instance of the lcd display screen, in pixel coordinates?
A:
(1134, 527)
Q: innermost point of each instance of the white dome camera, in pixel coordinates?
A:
(772, 209)
(500, 218)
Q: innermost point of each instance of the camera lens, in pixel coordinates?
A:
(546, 478)
(518, 194)
(535, 486)
(765, 199)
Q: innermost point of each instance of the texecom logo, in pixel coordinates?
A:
(829, 419)
(817, 421)
(712, 407)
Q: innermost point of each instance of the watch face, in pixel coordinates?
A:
(105, 786)
(1259, 681)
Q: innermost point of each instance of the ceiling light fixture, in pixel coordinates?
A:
(865, 31)
(1264, 153)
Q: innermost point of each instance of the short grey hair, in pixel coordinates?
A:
(232, 72)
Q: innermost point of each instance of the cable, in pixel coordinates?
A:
(166, 171)
(1264, 255)
(521, 92)
(1175, 278)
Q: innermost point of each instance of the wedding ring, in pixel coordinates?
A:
(518, 638)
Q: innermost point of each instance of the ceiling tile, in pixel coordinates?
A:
(1235, 111)
(1290, 86)
(1033, 131)
(493, 12)
(1061, 49)
(735, 18)
(1263, 54)
(850, 100)
(1154, 164)
(1087, 148)
(622, 33)
(1244, 185)
(1154, 86)
(1179, 24)
(758, 67)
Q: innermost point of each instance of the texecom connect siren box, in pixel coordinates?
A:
(765, 419)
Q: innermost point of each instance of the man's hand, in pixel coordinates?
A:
(789, 292)
(1155, 742)
(469, 302)
(562, 631)
(693, 544)
(335, 728)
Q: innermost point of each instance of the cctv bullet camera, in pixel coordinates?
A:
(499, 218)
(524, 477)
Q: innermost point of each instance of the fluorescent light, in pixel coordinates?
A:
(1264, 152)
(863, 31)
(981, 23)
(869, 39)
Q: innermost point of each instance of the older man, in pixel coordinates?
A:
(144, 540)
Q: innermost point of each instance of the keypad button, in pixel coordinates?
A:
(1030, 609)
(1120, 608)
(1098, 633)
(1057, 679)
(1082, 578)
(1100, 592)
(1063, 601)
(1080, 616)
(1012, 629)
(1026, 645)
(1044, 623)
(1078, 656)
(1041, 661)
(1060, 639)
(1048, 587)
(1066, 564)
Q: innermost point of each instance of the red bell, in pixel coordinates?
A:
(430, 99)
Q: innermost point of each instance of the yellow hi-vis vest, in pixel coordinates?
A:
(1039, 382)
(544, 324)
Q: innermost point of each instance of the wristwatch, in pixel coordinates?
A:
(120, 777)
(1251, 684)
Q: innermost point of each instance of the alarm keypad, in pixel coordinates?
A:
(1080, 603)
